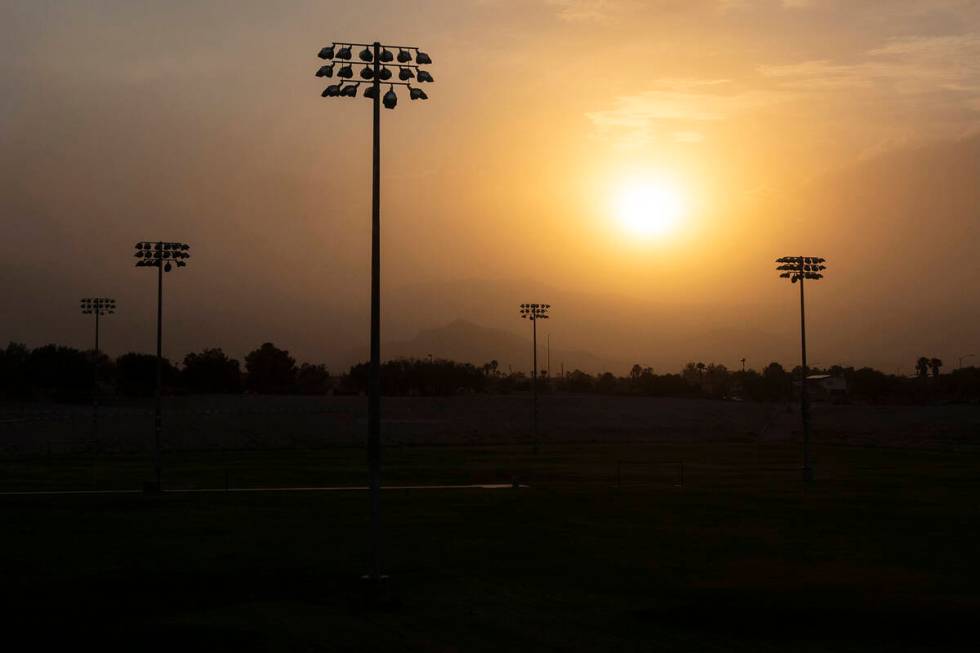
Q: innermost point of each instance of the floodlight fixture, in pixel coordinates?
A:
(799, 269)
(380, 63)
(390, 99)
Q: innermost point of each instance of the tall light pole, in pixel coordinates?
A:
(99, 307)
(163, 256)
(963, 358)
(534, 312)
(379, 64)
(797, 269)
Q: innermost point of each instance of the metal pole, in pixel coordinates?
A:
(549, 356)
(157, 415)
(804, 397)
(374, 389)
(534, 381)
(95, 383)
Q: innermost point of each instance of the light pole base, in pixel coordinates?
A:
(376, 593)
(152, 488)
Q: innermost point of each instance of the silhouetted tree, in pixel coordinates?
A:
(922, 367)
(692, 374)
(14, 380)
(211, 372)
(606, 383)
(716, 380)
(270, 370)
(577, 381)
(935, 365)
(136, 374)
(635, 372)
(411, 376)
(779, 383)
(869, 384)
(61, 373)
(490, 368)
(312, 379)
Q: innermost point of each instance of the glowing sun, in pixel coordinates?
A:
(648, 209)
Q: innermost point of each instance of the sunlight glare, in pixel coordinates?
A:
(648, 209)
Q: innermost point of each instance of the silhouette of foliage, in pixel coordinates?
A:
(313, 379)
(136, 374)
(14, 376)
(270, 370)
(211, 372)
(922, 367)
(61, 373)
(412, 376)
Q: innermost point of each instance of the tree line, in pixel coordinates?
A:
(59, 373)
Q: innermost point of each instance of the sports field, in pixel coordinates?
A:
(608, 545)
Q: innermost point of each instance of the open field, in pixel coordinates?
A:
(269, 422)
(605, 550)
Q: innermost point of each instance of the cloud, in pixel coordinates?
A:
(674, 106)
(913, 65)
(589, 10)
(898, 82)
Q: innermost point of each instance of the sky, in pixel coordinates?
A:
(846, 129)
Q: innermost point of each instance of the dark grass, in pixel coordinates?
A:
(879, 554)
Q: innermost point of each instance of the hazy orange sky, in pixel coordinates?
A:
(840, 128)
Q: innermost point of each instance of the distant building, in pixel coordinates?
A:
(826, 387)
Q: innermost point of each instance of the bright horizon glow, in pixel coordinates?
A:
(649, 208)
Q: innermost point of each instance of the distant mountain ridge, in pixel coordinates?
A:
(468, 342)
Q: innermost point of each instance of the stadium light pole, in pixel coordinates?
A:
(99, 307)
(797, 269)
(534, 312)
(379, 63)
(163, 256)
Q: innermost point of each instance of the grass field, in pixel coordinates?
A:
(879, 554)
